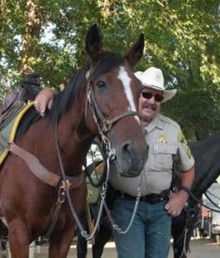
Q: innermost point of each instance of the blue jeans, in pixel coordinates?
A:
(149, 235)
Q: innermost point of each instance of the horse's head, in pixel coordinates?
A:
(113, 93)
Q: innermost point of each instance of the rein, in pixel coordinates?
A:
(110, 156)
(199, 201)
(190, 214)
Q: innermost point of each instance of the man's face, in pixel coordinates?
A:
(149, 103)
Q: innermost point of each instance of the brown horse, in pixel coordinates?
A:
(100, 100)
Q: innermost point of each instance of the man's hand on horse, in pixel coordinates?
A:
(44, 100)
(176, 203)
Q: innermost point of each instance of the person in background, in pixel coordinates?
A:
(150, 231)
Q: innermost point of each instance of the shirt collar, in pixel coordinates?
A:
(155, 123)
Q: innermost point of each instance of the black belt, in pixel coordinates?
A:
(150, 198)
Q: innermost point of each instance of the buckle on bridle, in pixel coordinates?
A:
(107, 126)
(65, 185)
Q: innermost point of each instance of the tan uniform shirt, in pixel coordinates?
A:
(165, 140)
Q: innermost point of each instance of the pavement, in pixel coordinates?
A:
(200, 248)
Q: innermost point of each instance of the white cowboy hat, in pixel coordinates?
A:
(153, 78)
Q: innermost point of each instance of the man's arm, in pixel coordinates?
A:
(44, 100)
(178, 199)
(187, 179)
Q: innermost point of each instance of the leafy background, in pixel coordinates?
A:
(182, 38)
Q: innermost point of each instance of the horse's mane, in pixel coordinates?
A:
(72, 90)
(206, 152)
(75, 86)
(205, 142)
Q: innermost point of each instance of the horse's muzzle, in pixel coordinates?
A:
(129, 160)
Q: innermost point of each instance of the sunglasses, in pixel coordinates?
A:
(149, 95)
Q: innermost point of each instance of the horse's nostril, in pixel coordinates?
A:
(134, 160)
(127, 149)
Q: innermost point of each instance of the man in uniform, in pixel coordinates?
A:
(150, 231)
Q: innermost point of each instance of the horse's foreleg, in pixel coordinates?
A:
(18, 239)
(60, 243)
(103, 236)
(81, 241)
(81, 246)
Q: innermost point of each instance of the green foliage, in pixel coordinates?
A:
(182, 38)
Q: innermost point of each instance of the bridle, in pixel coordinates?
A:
(103, 124)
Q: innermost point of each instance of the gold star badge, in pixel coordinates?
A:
(163, 138)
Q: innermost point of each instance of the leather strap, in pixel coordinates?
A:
(38, 169)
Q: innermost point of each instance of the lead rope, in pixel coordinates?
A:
(110, 156)
(184, 252)
(116, 226)
(199, 201)
(66, 183)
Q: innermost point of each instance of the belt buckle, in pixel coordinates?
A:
(153, 199)
(145, 198)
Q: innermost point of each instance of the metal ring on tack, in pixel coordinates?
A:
(36, 103)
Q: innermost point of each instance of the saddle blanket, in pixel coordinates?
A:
(8, 128)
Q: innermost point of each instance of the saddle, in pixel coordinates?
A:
(28, 90)
(14, 106)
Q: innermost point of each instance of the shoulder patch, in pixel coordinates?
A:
(182, 139)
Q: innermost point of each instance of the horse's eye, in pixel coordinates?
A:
(100, 84)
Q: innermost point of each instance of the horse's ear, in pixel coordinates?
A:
(136, 51)
(94, 43)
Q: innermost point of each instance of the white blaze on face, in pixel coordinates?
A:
(126, 82)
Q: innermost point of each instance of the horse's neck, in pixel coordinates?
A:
(207, 170)
(74, 139)
(72, 127)
(205, 182)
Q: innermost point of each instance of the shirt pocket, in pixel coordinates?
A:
(163, 156)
